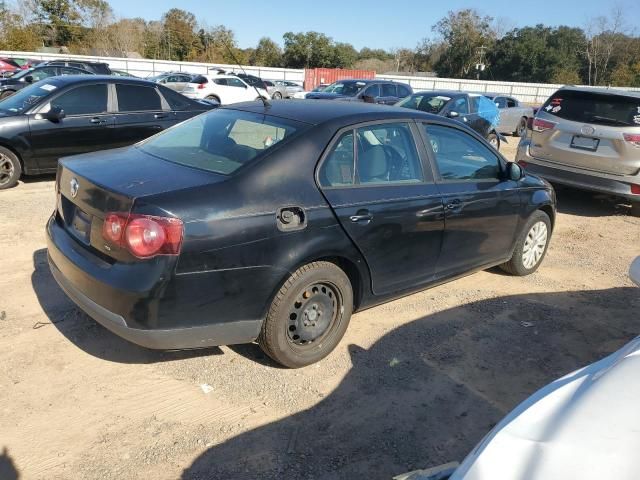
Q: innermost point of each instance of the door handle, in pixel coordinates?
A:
(160, 115)
(98, 121)
(453, 204)
(362, 216)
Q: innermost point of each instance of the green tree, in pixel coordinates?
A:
(378, 53)
(344, 55)
(267, 54)
(179, 34)
(463, 33)
(307, 50)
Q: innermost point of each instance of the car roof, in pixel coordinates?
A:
(64, 80)
(444, 93)
(316, 112)
(603, 90)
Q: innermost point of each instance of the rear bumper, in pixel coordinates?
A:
(115, 308)
(619, 185)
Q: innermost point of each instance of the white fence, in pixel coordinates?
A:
(534, 93)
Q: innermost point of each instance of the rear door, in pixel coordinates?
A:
(388, 94)
(88, 125)
(481, 206)
(589, 130)
(141, 112)
(386, 201)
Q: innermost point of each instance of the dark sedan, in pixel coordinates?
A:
(24, 78)
(370, 91)
(276, 223)
(474, 110)
(66, 115)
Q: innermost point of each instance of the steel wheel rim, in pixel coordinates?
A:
(535, 245)
(313, 314)
(6, 169)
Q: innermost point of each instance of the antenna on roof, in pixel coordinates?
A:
(265, 101)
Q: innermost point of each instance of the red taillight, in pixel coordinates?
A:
(144, 236)
(540, 125)
(635, 189)
(201, 86)
(522, 163)
(632, 138)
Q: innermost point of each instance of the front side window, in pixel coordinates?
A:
(511, 103)
(222, 140)
(137, 98)
(85, 100)
(350, 89)
(236, 82)
(373, 91)
(460, 105)
(387, 154)
(460, 157)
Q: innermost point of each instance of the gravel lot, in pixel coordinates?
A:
(414, 383)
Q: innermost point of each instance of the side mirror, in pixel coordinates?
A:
(515, 172)
(55, 114)
(453, 114)
(28, 79)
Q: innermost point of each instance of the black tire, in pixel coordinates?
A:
(10, 169)
(6, 93)
(521, 131)
(516, 265)
(310, 290)
(635, 209)
(213, 98)
(277, 96)
(494, 140)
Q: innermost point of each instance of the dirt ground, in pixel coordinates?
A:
(414, 383)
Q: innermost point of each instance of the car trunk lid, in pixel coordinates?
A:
(590, 131)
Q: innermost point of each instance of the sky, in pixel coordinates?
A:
(371, 23)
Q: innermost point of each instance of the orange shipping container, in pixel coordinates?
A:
(317, 76)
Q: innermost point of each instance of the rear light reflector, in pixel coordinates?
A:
(540, 125)
(201, 86)
(522, 163)
(632, 138)
(145, 236)
(635, 189)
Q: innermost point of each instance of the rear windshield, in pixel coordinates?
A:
(221, 141)
(597, 108)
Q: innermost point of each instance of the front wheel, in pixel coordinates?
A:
(531, 246)
(277, 96)
(494, 141)
(308, 316)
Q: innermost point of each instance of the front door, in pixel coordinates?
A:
(141, 113)
(87, 126)
(386, 202)
(481, 206)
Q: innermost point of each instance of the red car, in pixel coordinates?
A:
(8, 65)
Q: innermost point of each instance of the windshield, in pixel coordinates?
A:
(593, 107)
(425, 102)
(220, 141)
(349, 89)
(26, 98)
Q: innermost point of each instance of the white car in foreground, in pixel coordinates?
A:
(222, 89)
(584, 426)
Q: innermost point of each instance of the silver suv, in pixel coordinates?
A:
(587, 138)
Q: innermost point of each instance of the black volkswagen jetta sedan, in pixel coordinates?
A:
(67, 115)
(276, 223)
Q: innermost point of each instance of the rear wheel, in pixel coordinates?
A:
(522, 128)
(494, 141)
(213, 98)
(531, 246)
(308, 316)
(277, 96)
(10, 168)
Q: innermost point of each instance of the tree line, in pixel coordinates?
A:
(462, 44)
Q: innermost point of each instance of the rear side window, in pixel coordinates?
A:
(373, 91)
(460, 157)
(175, 100)
(136, 98)
(593, 107)
(85, 100)
(221, 141)
(403, 91)
(389, 90)
(339, 167)
(511, 103)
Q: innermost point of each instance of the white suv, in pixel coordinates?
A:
(223, 89)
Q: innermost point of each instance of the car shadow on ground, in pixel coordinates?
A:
(86, 333)
(589, 204)
(428, 391)
(48, 177)
(8, 469)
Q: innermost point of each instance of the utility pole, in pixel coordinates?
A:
(480, 65)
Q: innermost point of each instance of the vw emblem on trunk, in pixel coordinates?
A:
(75, 186)
(587, 130)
